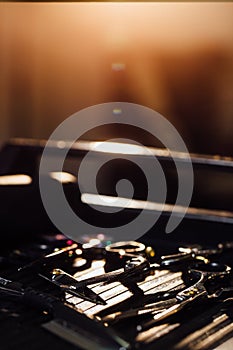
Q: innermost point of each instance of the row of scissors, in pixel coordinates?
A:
(129, 262)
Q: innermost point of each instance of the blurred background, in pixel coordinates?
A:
(177, 58)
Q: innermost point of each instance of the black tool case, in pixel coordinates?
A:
(27, 234)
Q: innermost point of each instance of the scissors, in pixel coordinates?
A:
(129, 254)
(65, 319)
(194, 252)
(68, 283)
(204, 274)
(170, 301)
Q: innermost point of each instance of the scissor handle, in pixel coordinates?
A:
(128, 247)
(176, 259)
(204, 273)
(212, 270)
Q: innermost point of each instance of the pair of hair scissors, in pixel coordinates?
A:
(203, 274)
(129, 254)
(194, 252)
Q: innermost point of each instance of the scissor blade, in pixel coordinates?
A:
(153, 308)
(70, 285)
(183, 299)
(85, 293)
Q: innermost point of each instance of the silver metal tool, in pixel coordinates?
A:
(66, 322)
(134, 266)
(70, 285)
(186, 297)
(130, 250)
(194, 252)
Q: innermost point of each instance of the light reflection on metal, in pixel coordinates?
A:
(78, 251)
(156, 332)
(12, 180)
(92, 243)
(63, 177)
(131, 149)
(96, 269)
(208, 335)
(116, 148)
(126, 203)
(79, 262)
(139, 150)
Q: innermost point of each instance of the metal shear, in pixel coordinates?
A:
(194, 252)
(130, 254)
(69, 284)
(204, 274)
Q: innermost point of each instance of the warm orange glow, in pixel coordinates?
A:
(57, 58)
